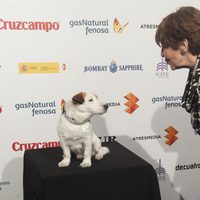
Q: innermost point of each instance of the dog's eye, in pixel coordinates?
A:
(91, 100)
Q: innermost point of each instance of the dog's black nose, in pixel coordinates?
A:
(105, 106)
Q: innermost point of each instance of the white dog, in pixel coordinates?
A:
(75, 129)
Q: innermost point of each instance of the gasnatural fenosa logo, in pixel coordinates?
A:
(38, 108)
(91, 26)
(168, 101)
(94, 26)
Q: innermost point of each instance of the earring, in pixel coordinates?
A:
(183, 52)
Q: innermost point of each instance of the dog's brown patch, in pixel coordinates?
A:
(79, 98)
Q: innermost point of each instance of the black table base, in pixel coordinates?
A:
(120, 175)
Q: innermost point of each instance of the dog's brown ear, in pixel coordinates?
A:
(78, 98)
(63, 105)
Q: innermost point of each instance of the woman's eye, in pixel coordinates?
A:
(91, 100)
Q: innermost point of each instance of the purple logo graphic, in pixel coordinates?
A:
(161, 66)
(162, 69)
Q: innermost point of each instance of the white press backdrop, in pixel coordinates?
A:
(50, 50)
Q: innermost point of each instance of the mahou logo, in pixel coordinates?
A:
(29, 25)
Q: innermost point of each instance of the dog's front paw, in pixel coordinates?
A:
(64, 163)
(99, 156)
(86, 163)
(101, 152)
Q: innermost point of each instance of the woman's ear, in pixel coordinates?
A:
(183, 47)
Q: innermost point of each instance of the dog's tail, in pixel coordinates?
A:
(101, 152)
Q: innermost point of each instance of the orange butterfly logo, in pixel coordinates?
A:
(118, 28)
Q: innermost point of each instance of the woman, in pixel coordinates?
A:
(179, 37)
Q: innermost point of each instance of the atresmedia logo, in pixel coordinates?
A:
(131, 103)
(171, 135)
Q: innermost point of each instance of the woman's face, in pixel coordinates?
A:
(174, 58)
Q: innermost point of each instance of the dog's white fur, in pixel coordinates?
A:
(75, 130)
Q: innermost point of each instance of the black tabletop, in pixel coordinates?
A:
(121, 174)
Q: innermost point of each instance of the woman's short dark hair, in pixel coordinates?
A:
(178, 26)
